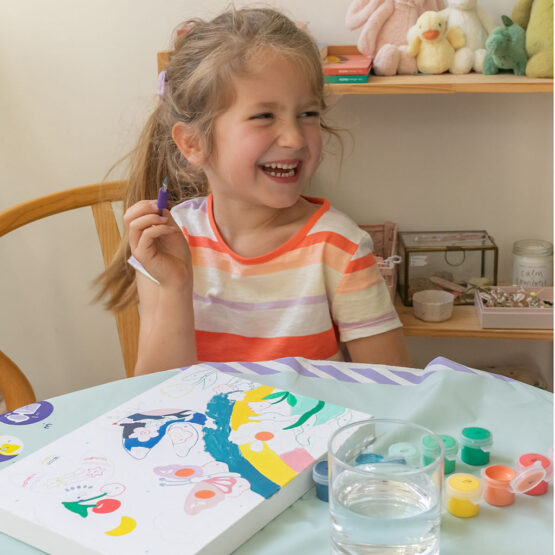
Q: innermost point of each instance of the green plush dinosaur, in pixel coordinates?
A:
(506, 49)
(538, 22)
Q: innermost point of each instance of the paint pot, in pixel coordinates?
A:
(430, 450)
(476, 444)
(320, 477)
(368, 458)
(406, 451)
(528, 460)
(502, 482)
(463, 492)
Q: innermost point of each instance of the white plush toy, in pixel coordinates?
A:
(435, 46)
(476, 24)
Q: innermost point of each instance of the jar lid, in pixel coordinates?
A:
(476, 438)
(532, 247)
(320, 473)
(430, 448)
(528, 459)
(464, 486)
(529, 478)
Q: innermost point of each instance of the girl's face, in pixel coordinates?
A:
(267, 145)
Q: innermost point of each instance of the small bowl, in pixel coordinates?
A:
(433, 305)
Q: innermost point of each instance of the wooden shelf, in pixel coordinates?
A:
(464, 323)
(445, 83)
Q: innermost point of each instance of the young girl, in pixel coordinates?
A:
(244, 267)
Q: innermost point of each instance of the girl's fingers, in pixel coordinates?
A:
(148, 247)
(137, 226)
(141, 208)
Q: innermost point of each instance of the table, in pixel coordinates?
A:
(445, 397)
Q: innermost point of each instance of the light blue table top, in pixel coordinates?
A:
(442, 399)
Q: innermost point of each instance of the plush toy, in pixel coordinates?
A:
(506, 49)
(476, 24)
(385, 24)
(539, 35)
(434, 44)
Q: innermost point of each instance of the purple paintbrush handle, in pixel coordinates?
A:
(162, 199)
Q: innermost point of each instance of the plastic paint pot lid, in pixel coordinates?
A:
(368, 458)
(320, 473)
(430, 448)
(529, 459)
(529, 478)
(503, 477)
(464, 486)
(476, 438)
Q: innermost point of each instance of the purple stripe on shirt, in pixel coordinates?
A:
(373, 322)
(295, 365)
(301, 301)
(412, 378)
(375, 376)
(259, 368)
(335, 373)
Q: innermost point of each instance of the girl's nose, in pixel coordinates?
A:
(291, 136)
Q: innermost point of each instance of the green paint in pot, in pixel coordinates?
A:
(430, 451)
(476, 444)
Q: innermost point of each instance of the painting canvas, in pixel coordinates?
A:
(196, 464)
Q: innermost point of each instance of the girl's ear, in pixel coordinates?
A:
(188, 143)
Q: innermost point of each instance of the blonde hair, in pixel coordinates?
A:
(197, 89)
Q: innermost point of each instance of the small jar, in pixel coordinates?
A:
(476, 444)
(528, 460)
(463, 492)
(320, 477)
(502, 482)
(430, 451)
(533, 263)
(406, 451)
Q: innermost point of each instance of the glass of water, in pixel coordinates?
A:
(383, 499)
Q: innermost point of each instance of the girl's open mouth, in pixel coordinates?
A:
(282, 170)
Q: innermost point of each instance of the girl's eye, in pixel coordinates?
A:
(313, 114)
(265, 115)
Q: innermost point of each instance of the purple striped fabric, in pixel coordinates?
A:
(259, 368)
(334, 372)
(412, 378)
(374, 375)
(294, 364)
(222, 367)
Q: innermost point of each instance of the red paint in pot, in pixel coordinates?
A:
(529, 459)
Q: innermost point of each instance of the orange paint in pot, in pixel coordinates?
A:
(497, 481)
(502, 482)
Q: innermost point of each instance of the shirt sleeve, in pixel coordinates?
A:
(361, 305)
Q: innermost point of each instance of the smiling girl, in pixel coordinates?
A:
(244, 267)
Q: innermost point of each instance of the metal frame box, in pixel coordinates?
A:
(461, 258)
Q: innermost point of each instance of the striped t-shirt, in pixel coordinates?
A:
(321, 287)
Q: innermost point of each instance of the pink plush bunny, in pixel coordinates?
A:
(385, 24)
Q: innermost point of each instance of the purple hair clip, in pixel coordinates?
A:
(161, 84)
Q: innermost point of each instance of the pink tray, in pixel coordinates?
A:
(523, 318)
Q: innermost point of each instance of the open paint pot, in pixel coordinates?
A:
(463, 492)
(502, 482)
(430, 450)
(529, 459)
(476, 444)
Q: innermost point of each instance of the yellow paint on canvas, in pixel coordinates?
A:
(266, 461)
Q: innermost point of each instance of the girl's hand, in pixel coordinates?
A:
(158, 244)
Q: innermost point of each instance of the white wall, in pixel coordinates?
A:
(77, 81)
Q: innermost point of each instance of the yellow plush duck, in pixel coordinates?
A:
(433, 44)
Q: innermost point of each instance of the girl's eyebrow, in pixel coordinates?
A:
(274, 105)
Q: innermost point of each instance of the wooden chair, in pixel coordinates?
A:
(14, 386)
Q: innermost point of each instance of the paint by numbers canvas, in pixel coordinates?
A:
(196, 464)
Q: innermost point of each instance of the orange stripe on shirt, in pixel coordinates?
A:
(360, 263)
(225, 347)
(358, 281)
